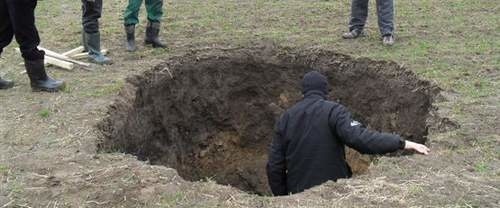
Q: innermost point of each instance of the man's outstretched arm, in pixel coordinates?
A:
(366, 141)
(276, 166)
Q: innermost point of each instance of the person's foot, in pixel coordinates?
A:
(39, 79)
(99, 58)
(152, 35)
(6, 84)
(353, 34)
(388, 40)
(93, 43)
(130, 31)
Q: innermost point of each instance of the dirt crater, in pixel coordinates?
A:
(211, 114)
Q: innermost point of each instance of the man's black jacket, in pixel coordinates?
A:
(308, 147)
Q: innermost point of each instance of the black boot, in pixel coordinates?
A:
(84, 42)
(152, 32)
(40, 81)
(93, 43)
(5, 84)
(130, 31)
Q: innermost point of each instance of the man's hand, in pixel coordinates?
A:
(419, 148)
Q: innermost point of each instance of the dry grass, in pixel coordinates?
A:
(47, 153)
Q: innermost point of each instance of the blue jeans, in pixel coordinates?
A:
(385, 13)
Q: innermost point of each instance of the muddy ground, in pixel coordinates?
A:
(49, 155)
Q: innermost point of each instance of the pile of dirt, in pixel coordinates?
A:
(211, 114)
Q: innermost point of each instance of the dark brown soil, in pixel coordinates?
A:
(211, 115)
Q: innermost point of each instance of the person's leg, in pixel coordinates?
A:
(155, 13)
(6, 35)
(89, 22)
(22, 18)
(155, 10)
(359, 13)
(131, 15)
(91, 12)
(22, 15)
(385, 13)
(6, 30)
(131, 18)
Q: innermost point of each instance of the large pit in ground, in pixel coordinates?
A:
(211, 114)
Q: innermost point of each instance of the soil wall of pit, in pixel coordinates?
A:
(211, 114)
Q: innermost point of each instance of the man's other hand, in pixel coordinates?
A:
(419, 148)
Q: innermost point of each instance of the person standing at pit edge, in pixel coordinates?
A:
(17, 18)
(310, 137)
(131, 17)
(91, 37)
(359, 14)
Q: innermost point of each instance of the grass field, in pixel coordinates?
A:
(47, 141)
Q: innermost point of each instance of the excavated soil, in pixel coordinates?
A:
(210, 115)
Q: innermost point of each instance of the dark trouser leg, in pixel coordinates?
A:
(6, 35)
(22, 16)
(359, 13)
(91, 12)
(6, 30)
(385, 12)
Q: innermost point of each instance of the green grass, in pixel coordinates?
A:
(415, 189)
(481, 167)
(105, 90)
(3, 169)
(173, 200)
(44, 113)
(454, 43)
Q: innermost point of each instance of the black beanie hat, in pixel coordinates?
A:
(314, 81)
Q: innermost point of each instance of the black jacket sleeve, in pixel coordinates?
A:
(276, 166)
(354, 135)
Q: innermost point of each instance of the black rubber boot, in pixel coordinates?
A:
(130, 31)
(84, 42)
(152, 32)
(93, 43)
(39, 79)
(5, 84)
